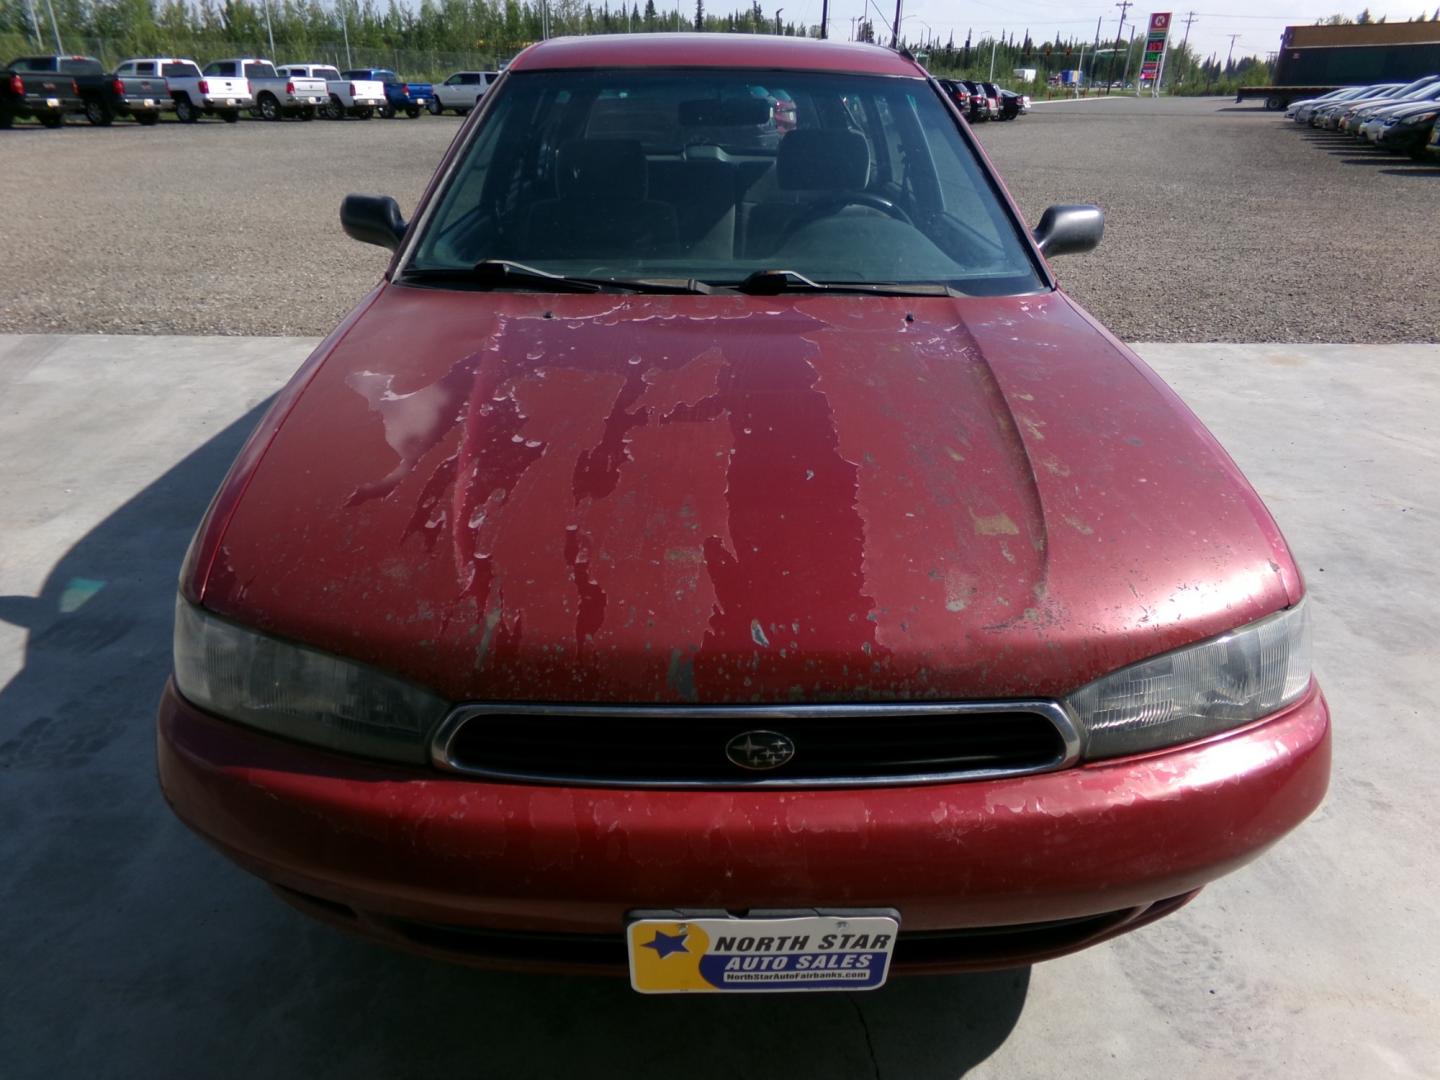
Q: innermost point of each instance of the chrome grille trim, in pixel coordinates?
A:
(1059, 717)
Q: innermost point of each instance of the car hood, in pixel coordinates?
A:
(734, 499)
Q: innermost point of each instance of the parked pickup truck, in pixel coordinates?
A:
(196, 94)
(462, 91)
(103, 96)
(46, 96)
(400, 96)
(276, 95)
(140, 95)
(348, 97)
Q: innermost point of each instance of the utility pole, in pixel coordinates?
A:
(1128, 50)
(268, 31)
(1231, 53)
(993, 43)
(1124, 6)
(35, 25)
(1094, 51)
(55, 27)
(1190, 18)
(345, 29)
(824, 19)
(895, 30)
(777, 20)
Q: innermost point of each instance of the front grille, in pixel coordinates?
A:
(830, 745)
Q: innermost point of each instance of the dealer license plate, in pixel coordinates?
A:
(149, 102)
(52, 102)
(229, 101)
(837, 951)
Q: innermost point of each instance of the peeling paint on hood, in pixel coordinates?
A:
(728, 498)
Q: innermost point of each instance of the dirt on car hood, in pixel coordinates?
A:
(736, 499)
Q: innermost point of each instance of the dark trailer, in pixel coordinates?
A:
(1314, 60)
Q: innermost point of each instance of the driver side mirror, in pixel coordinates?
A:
(372, 219)
(1064, 230)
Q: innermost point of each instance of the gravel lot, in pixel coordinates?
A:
(1224, 224)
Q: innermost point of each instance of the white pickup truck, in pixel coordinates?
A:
(195, 94)
(275, 95)
(348, 97)
(461, 91)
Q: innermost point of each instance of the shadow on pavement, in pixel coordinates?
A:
(131, 949)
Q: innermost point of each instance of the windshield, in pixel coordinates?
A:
(711, 175)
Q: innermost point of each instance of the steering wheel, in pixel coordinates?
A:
(831, 206)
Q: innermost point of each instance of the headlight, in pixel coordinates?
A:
(299, 692)
(1199, 690)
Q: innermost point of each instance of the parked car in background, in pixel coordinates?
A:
(1374, 116)
(1300, 110)
(276, 95)
(461, 91)
(1404, 131)
(195, 94)
(735, 568)
(1430, 149)
(361, 98)
(969, 98)
(43, 95)
(1013, 104)
(400, 96)
(104, 96)
(992, 100)
(142, 95)
(1338, 116)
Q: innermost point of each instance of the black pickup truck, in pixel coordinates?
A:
(47, 96)
(101, 96)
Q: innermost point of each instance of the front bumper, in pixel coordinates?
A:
(1402, 136)
(388, 849)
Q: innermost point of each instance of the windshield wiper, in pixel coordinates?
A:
(505, 273)
(775, 282)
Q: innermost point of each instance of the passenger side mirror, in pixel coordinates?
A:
(1064, 230)
(373, 219)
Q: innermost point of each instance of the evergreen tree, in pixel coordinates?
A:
(699, 15)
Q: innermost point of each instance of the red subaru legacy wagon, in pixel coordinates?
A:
(717, 552)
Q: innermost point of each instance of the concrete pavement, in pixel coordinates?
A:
(128, 948)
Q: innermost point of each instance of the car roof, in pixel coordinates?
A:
(713, 50)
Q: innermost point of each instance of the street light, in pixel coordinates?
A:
(922, 22)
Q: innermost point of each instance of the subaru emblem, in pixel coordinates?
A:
(759, 750)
